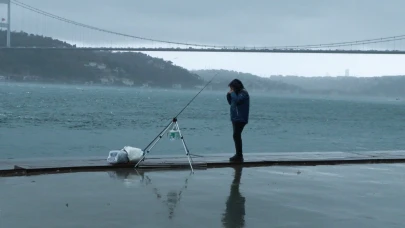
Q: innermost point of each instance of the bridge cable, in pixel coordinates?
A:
(337, 44)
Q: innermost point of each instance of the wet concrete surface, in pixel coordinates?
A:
(278, 196)
(16, 167)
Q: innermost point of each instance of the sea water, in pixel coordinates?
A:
(39, 120)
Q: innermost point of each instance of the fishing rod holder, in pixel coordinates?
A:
(173, 134)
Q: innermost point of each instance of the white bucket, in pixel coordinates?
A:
(117, 157)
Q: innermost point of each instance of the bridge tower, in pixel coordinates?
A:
(7, 23)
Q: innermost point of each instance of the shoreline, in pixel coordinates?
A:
(19, 167)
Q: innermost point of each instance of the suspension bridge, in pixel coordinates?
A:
(44, 23)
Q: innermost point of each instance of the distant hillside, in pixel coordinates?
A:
(392, 86)
(251, 82)
(75, 66)
(388, 86)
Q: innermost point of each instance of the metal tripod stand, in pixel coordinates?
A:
(175, 133)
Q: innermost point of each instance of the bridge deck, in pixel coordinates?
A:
(62, 165)
(225, 50)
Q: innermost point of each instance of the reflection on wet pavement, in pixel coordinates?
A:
(320, 196)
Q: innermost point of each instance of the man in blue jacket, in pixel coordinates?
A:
(239, 101)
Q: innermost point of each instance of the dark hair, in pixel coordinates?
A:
(236, 85)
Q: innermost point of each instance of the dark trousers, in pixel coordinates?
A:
(237, 136)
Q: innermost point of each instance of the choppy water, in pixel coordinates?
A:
(348, 196)
(52, 120)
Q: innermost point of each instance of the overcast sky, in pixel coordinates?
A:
(233, 22)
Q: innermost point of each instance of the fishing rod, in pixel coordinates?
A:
(175, 118)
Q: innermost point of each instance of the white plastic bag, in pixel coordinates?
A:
(117, 157)
(134, 154)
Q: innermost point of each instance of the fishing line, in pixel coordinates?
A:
(175, 118)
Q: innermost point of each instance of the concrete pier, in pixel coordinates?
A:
(13, 167)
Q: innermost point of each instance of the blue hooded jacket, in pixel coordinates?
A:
(239, 102)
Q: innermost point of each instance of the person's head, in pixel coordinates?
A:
(236, 85)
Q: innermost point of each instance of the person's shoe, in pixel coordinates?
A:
(236, 158)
